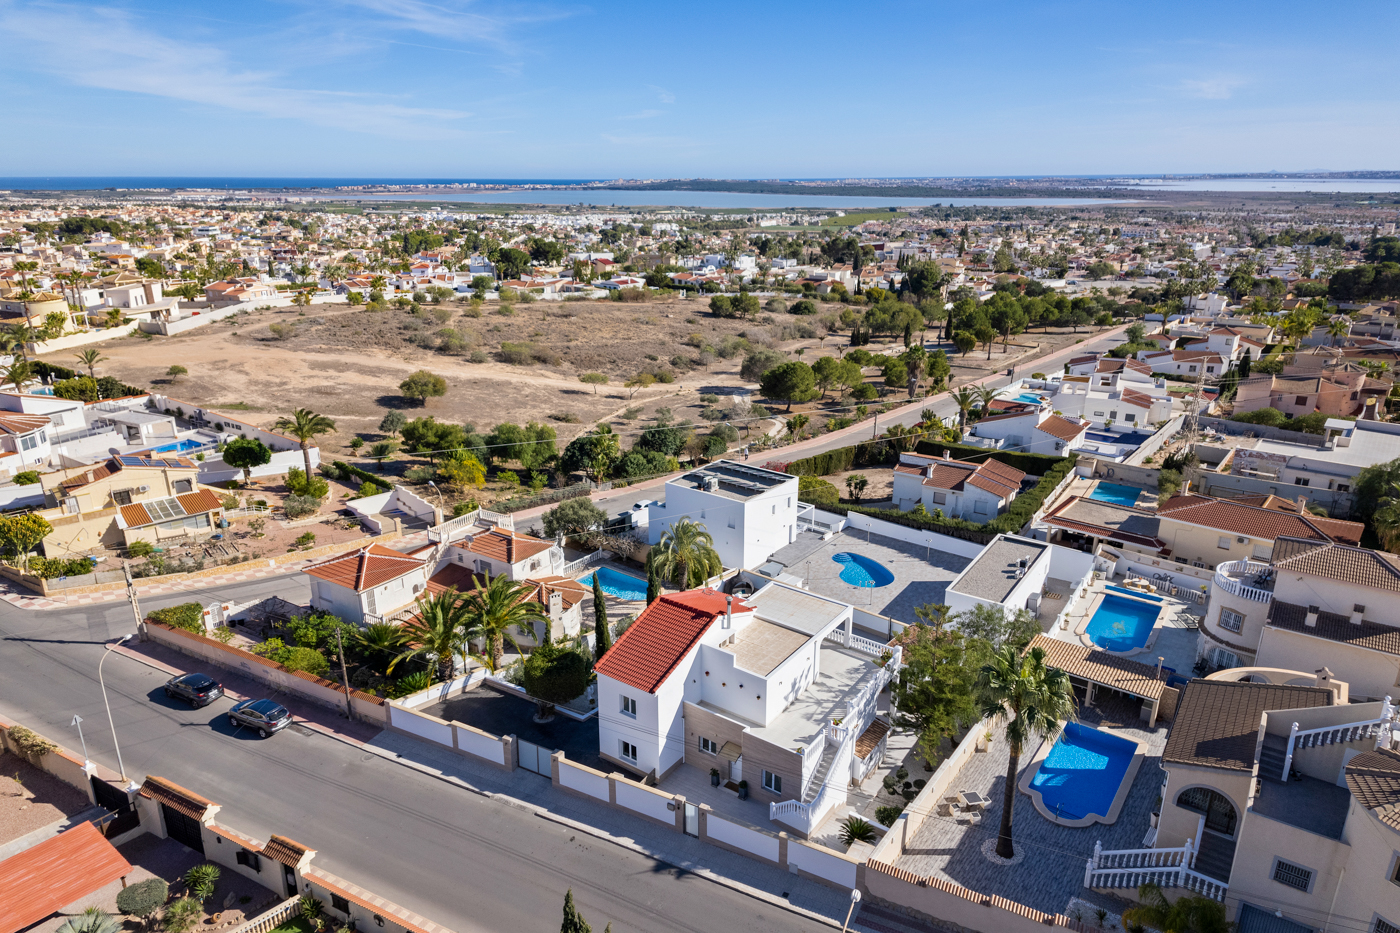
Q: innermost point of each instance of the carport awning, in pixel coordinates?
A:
(731, 751)
(55, 873)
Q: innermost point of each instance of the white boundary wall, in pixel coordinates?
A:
(749, 840)
(585, 781)
(421, 725)
(824, 864)
(929, 539)
(645, 801)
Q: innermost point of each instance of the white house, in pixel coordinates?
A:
(750, 688)
(1015, 573)
(366, 585)
(749, 511)
(1036, 431)
(975, 491)
(506, 551)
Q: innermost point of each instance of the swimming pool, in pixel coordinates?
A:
(1028, 398)
(1122, 624)
(1134, 593)
(858, 570)
(1118, 495)
(617, 584)
(1081, 775)
(179, 447)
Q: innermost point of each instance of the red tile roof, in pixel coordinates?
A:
(12, 422)
(55, 873)
(1059, 426)
(662, 636)
(1254, 522)
(505, 546)
(176, 797)
(287, 851)
(991, 475)
(366, 568)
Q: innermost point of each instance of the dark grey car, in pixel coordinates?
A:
(198, 689)
(267, 716)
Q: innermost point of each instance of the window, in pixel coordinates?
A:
(29, 442)
(1224, 659)
(1230, 620)
(629, 706)
(1301, 481)
(1301, 400)
(1130, 417)
(183, 486)
(339, 903)
(1191, 369)
(629, 751)
(708, 746)
(1210, 369)
(1098, 414)
(940, 498)
(122, 497)
(1384, 926)
(370, 605)
(773, 782)
(1223, 542)
(775, 508)
(1292, 875)
(979, 507)
(1343, 487)
(1357, 607)
(252, 859)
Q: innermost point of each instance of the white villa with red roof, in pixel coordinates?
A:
(775, 690)
(1035, 431)
(975, 491)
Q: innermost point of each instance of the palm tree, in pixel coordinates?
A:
(439, 631)
(24, 335)
(304, 425)
(985, 396)
(380, 641)
(90, 358)
(494, 608)
(17, 374)
(686, 553)
(900, 437)
(1030, 699)
(1338, 327)
(1194, 914)
(964, 398)
(1386, 518)
(796, 425)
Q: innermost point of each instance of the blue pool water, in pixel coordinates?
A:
(179, 447)
(1122, 624)
(615, 583)
(1083, 771)
(1134, 593)
(858, 570)
(1028, 398)
(1118, 495)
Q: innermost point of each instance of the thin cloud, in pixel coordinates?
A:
(1222, 88)
(640, 115)
(76, 45)
(459, 21)
(663, 95)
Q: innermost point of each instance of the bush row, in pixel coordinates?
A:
(50, 371)
(519, 503)
(346, 471)
(1030, 464)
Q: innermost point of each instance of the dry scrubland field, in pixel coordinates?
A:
(347, 362)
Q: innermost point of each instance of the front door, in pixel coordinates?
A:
(692, 820)
(289, 880)
(736, 769)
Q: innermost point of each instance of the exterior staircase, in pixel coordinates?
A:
(814, 785)
(1215, 857)
(1272, 757)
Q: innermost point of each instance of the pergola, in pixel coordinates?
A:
(1092, 669)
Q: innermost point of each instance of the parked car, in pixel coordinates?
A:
(267, 716)
(198, 689)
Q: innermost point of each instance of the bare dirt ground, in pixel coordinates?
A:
(347, 363)
(31, 798)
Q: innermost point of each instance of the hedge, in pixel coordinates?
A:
(365, 475)
(1030, 464)
(50, 371)
(520, 503)
(866, 453)
(1009, 522)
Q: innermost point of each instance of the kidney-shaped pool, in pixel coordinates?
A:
(859, 570)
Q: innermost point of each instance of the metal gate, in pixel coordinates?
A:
(692, 820)
(123, 815)
(183, 829)
(534, 757)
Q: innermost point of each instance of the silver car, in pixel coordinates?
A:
(267, 716)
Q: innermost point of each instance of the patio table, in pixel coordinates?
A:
(971, 800)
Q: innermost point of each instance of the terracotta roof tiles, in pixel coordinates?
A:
(506, 546)
(1060, 427)
(662, 636)
(1254, 522)
(365, 568)
(176, 797)
(287, 851)
(55, 873)
(1362, 566)
(1374, 780)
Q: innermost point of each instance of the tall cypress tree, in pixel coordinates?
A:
(653, 582)
(602, 639)
(573, 920)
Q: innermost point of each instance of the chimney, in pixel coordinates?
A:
(1302, 503)
(728, 611)
(1324, 678)
(1357, 611)
(1310, 620)
(1185, 488)
(947, 455)
(556, 605)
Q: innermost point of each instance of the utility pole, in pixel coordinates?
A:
(135, 606)
(344, 677)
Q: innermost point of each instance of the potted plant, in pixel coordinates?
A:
(743, 790)
(714, 777)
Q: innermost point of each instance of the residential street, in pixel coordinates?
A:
(458, 858)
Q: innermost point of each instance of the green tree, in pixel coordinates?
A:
(438, 632)
(1187, 914)
(176, 371)
(554, 674)
(573, 920)
(392, 422)
(995, 627)
(668, 440)
(653, 582)
(1374, 484)
(789, 382)
(573, 517)
(20, 534)
(90, 358)
(965, 342)
(512, 263)
(143, 898)
(594, 379)
(244, 453)
(896, 373)
(494, 608)
(79, 388)
(932, 694)
(423, 385)
(593, 453)
(304, 426)
(759, 362)
(602, 638)
(685, 555)
(1030, 699)
(856, 485)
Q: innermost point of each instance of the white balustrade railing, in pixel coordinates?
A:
(583, 563)
(1237, 587)
(1166, 868)
(271, 919)
(1338, 734)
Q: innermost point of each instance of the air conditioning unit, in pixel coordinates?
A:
(1241, 540)
(143, 488)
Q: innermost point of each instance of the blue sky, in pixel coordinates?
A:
(564, 89)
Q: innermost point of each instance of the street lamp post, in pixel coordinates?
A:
(855, 899)
(78, 721)
(120, 767)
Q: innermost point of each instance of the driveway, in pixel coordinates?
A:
(501, 714)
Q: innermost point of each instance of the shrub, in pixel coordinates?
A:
(305, 539)
(315, 487)
(368, 489)
(817, 491)
(555, 674)
(30, 744)
(282, 331)
(201, 879)
(142, 548)
(305, 659)
(886, 815)
(187, 616)
(854, 829)
(143, 898)
(423, 385)
(300, 506)
(26, 478)
(417, 475)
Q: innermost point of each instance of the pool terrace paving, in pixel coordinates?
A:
(921, 575)
(1177, 629)
(1052, 871)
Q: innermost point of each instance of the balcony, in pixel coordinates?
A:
(1248, 579)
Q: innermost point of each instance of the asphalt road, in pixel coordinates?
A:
(462, 860)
